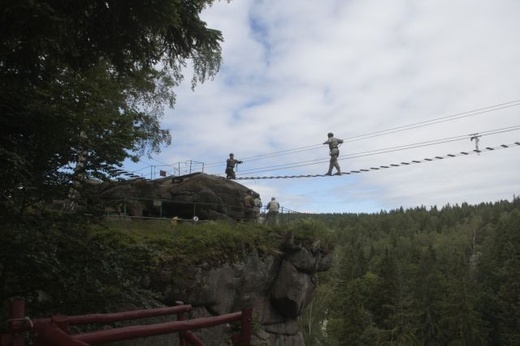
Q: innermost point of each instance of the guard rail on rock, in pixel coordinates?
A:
(55, 331)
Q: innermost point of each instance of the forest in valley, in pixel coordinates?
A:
(448, 276)
(422, 276)
(84, 88)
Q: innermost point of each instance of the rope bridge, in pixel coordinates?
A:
(392, 165)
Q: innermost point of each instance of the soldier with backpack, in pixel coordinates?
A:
(230, 166)
(273, 211)
(258, 206)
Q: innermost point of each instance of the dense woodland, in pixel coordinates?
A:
(83, 88)
(447, 276)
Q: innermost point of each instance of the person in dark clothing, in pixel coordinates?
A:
(230, 166)
(334, 144)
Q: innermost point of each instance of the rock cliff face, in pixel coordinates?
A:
(203, 195)
(278, 287)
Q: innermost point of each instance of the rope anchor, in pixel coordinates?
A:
(476, 138)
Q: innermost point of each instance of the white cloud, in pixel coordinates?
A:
(295, 70)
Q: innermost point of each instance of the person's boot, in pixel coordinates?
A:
(330, 170)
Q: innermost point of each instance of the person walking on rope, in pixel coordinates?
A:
(230, 166)
(333, 143)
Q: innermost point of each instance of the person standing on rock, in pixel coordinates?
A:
(273, 212)
(258, 206)
(231, 162)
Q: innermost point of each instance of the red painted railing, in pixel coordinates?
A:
(55, 331)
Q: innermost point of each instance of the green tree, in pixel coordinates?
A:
(83, 86)
(385, 295)
(350, 323)
(502, 268)
(461, 323)
(86, 82)
(427, 294)
(313, 320)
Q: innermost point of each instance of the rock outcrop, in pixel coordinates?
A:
(203, 195)
(278, 287)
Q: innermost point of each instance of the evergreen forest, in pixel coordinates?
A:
(84, 88)
(447, 276)
(422, 276)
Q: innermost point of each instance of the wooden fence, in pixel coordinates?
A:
(55, 331)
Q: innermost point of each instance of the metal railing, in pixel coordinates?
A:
(161, 208)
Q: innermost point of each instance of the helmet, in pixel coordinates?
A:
(231, 154)
(330, 134)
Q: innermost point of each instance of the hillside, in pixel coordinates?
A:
(217, 267)
(417, 276)
(437, 276)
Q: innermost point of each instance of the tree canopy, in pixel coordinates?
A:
(447, 276)
(88, 81)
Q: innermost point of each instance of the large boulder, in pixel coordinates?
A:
(206, 196)
(276, 287)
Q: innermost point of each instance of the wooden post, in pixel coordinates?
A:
(247, 326)
(181, 317)
(16, 322)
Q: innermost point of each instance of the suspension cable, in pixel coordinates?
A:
(369, 135)
(392, 165)
(379, 151)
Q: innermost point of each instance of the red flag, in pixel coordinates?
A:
(162, 173)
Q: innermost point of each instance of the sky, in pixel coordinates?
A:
(398, 81)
